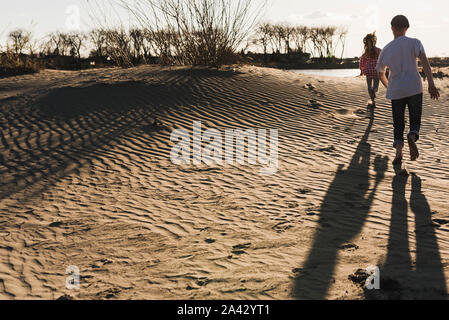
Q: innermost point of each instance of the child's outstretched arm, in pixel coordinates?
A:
(383, 79)
(381, 69)
(362, 65)
(434, 93)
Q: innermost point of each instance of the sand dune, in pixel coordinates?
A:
(86, 180)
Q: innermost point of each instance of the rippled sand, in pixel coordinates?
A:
(86, 180)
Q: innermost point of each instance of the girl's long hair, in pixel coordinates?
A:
(370, 42)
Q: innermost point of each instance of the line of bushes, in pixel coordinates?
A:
(194, 32)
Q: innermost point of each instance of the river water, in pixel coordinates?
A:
(339, 73)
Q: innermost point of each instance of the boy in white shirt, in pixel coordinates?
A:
(404, 85)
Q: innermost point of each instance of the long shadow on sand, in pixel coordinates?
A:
(425, 279)
(342, 215)
(71, 126)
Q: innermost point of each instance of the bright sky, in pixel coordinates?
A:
(429, 19)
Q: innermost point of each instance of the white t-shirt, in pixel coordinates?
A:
(400, 57)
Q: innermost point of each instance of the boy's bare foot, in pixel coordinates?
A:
(399, 155)
(414, 152)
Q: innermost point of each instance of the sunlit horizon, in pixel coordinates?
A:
(427, 21)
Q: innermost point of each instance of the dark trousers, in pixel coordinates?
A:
(414, 104)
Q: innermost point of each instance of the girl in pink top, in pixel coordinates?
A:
(368, 63)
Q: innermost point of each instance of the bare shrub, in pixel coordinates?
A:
(15, 64)
(137, 37)
(118, 47)
(14, 60)
(196, 32)
(148, 46)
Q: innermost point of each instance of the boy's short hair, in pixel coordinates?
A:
(400, 22)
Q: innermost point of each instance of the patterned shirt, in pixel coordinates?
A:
(368, 65)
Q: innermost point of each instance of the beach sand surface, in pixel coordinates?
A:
(87, 181)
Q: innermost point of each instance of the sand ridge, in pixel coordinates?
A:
(87, 181)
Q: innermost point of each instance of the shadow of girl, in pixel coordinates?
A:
(343, 212)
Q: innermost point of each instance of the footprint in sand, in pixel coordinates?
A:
(309, 86)
(154, 126)
(328, 150)
(240, 248)
(349, 247)
(110, 293)
(282, 226)
(360, 112)
(359, 277)
(297, 270)
(315, 104)
(441, 222)
(292, 204)
(56, 224)
(390, 288)
(343, 112)
(304, 190)
(202, 282)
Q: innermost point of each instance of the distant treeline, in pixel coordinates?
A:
(203, 32)
(319, 42)
(173, 32)
(142, 46)
(64, 50)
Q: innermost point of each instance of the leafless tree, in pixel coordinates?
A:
(56, 43)
(327, 35)
(277, 37)
(315, 38)
(97, 39)
(342, 33)
(197, 32)
(301, 37)
(19, 39)
(288, 32)
(75, 42)
(262, 36)
(323, 42)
